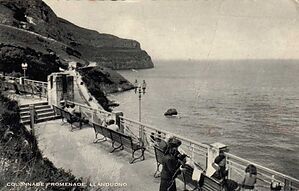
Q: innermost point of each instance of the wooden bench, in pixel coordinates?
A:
(68, 116)
(119, 141)
(159, 154)
(204, 184)
(210, 184)
(186, 177)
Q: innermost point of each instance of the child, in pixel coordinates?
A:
(250, 178)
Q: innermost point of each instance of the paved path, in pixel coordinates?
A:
(76, 151)
(23, 100)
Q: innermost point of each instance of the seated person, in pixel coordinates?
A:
(220, 166)
(275, 185)
(221, 173)
(73, 109)
(106, 120)
(250, 178)
(112, 125)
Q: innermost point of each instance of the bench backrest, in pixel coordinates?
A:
(57, 110)
(66, 115)
(127, 141)
(115, 136)
(210, 184)
(187, 176)
(106, 132)
(98, 128)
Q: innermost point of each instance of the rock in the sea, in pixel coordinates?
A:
(171, 112)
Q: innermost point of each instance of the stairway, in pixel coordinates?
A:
(44, 112)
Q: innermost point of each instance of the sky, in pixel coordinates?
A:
(194, 29)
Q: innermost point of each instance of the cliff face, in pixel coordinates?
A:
(86, 45)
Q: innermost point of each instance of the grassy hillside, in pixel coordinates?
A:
(20, 158)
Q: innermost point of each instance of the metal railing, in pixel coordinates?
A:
(198, 152)
(39, 87)
(94, 115)
(265, 176)
(195, 150)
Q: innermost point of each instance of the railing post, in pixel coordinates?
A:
(119, 114)
(32, 118)
(192, 151)
(286, 185)
(213, 152)
(21, 81)
(141, 133)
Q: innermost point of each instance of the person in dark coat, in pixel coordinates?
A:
(221, 173)
(220, 166)
(171, 166)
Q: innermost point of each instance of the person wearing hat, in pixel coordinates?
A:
(221, 173)
(112, 125)
(171, 165)
(219, 165)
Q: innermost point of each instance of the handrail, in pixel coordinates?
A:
(263, 168)
(35, 81)
(88, 107)
(39, 87)
(233, 162)
(166, 132)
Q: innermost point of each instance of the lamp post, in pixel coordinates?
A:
(141, 91)
(24, 67)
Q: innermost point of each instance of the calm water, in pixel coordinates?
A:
(252, 106)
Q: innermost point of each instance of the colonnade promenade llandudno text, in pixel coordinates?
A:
(66, 184)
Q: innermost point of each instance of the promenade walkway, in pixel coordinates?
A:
(75, 151)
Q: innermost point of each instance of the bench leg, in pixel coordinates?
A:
(115, 148)
(80, 124)
(62, 121)
(97, 140)
(141, 156)
(157, 173)
(72, 127)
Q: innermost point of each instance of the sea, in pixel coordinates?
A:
(250, 105)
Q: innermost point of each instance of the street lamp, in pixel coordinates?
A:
(141, 91)
(24, 67)
(140, 88)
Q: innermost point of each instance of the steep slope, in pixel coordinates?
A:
(107, 50)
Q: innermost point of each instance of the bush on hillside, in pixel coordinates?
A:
(20, 158)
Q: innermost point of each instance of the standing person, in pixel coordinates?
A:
(112, 125)
(250, 178)
(143, 86)
(135, 85)
(171, 165)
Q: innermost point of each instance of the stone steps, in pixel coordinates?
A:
(44, 112)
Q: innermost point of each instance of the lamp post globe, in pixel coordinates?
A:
(140, 89)
(24, 67)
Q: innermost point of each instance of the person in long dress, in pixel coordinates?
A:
(171, 166)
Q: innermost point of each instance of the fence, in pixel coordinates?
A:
(198, 152)
(266, 176)
(39, 88)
